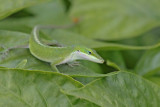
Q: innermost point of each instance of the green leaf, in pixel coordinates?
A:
(149, 64)
(61, 36)
(52, 12)
(123, 89)
(114, 19)
(8, 7)
(23, 88)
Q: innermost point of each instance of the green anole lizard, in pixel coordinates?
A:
(59, 55)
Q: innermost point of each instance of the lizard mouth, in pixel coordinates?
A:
(102, 61)
(99, 61)
(84, 56)
(94, 59)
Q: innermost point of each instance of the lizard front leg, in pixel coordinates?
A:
(55, 63)
(74, 63)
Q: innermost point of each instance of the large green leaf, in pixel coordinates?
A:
(8, 7)
(120, 90)
(22, 88)
(114, 19)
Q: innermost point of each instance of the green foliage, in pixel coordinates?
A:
(129, 18)
(125, 33)
(122, 89)
(8, 7)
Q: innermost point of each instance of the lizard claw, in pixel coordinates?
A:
(4, 53)
(73, 64)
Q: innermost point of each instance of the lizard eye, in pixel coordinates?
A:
(89, 52)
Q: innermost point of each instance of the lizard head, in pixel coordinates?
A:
(88, 54)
